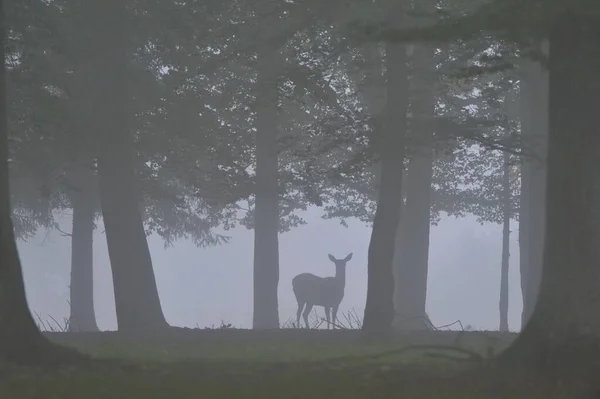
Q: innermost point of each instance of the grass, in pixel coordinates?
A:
(287, 363)
(282, 346)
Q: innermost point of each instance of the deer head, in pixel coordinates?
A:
(340, 262)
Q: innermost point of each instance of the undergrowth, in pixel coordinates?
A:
(226, 362)
(222, 361)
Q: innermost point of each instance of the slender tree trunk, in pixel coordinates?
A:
(507, 211)
(524, 234)
(266, 229)
(411, 255)
(20, 340)
(83, 316)
(136, 296)
(379, 308)
(564, 330)
(534, 125)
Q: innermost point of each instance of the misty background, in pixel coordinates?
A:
(203, 287)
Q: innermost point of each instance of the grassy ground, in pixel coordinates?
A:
(228, 363)
(286, 345)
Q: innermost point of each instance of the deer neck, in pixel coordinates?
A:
(340, 276)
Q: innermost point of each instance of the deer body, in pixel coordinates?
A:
(311, 290)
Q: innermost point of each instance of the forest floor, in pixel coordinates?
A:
(287, 363)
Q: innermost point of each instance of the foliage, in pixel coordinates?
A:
(192, 74)
(182, 198)
(468, 126)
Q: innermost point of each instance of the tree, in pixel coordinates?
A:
(458, 157)
(561, 332)
(534, 130)
(280, 188)
(411, 254)
(507, 213)
(52, 148)
(136, 296)
(156, 177)
(47, 159)
(189, 169)
(83, 202)
(31, 101)
(266, 230)
(379, 308)
(20, 340)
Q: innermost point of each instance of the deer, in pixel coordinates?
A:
(311, 290)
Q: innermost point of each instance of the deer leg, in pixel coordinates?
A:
(306, 312)
(299, 313)
(334, 311)
(328, 315)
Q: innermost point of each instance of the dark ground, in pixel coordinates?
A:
(230, 363)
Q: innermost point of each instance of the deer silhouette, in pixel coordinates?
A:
(311, 290)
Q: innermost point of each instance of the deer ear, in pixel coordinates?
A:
(348, 257)
(331, 258)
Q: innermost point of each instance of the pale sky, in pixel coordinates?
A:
(202, 287)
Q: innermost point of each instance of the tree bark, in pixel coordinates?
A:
(20, 340)
(507, 211)
(136, 296)
(379, 308)
(564, 330)
(266, 229)
(411, 255)
(534, 126)
(83, 316)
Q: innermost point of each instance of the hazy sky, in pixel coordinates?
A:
(202, 287)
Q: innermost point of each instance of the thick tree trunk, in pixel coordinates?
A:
(564, 330)
(83, 316)
(507, 211)
(136, 296)
(411, 255)
(266, 217)
(534, 125)
(20, 340)
(379, 308)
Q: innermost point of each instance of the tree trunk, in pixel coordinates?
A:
(20, 340)
(266, 217)
(83, 316)
(534, 126)
(507, 211)
(524, 233)
(564, 330)
(136, 296)
(379, 308)
(411, 255)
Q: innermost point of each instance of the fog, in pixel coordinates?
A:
(205, 287)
